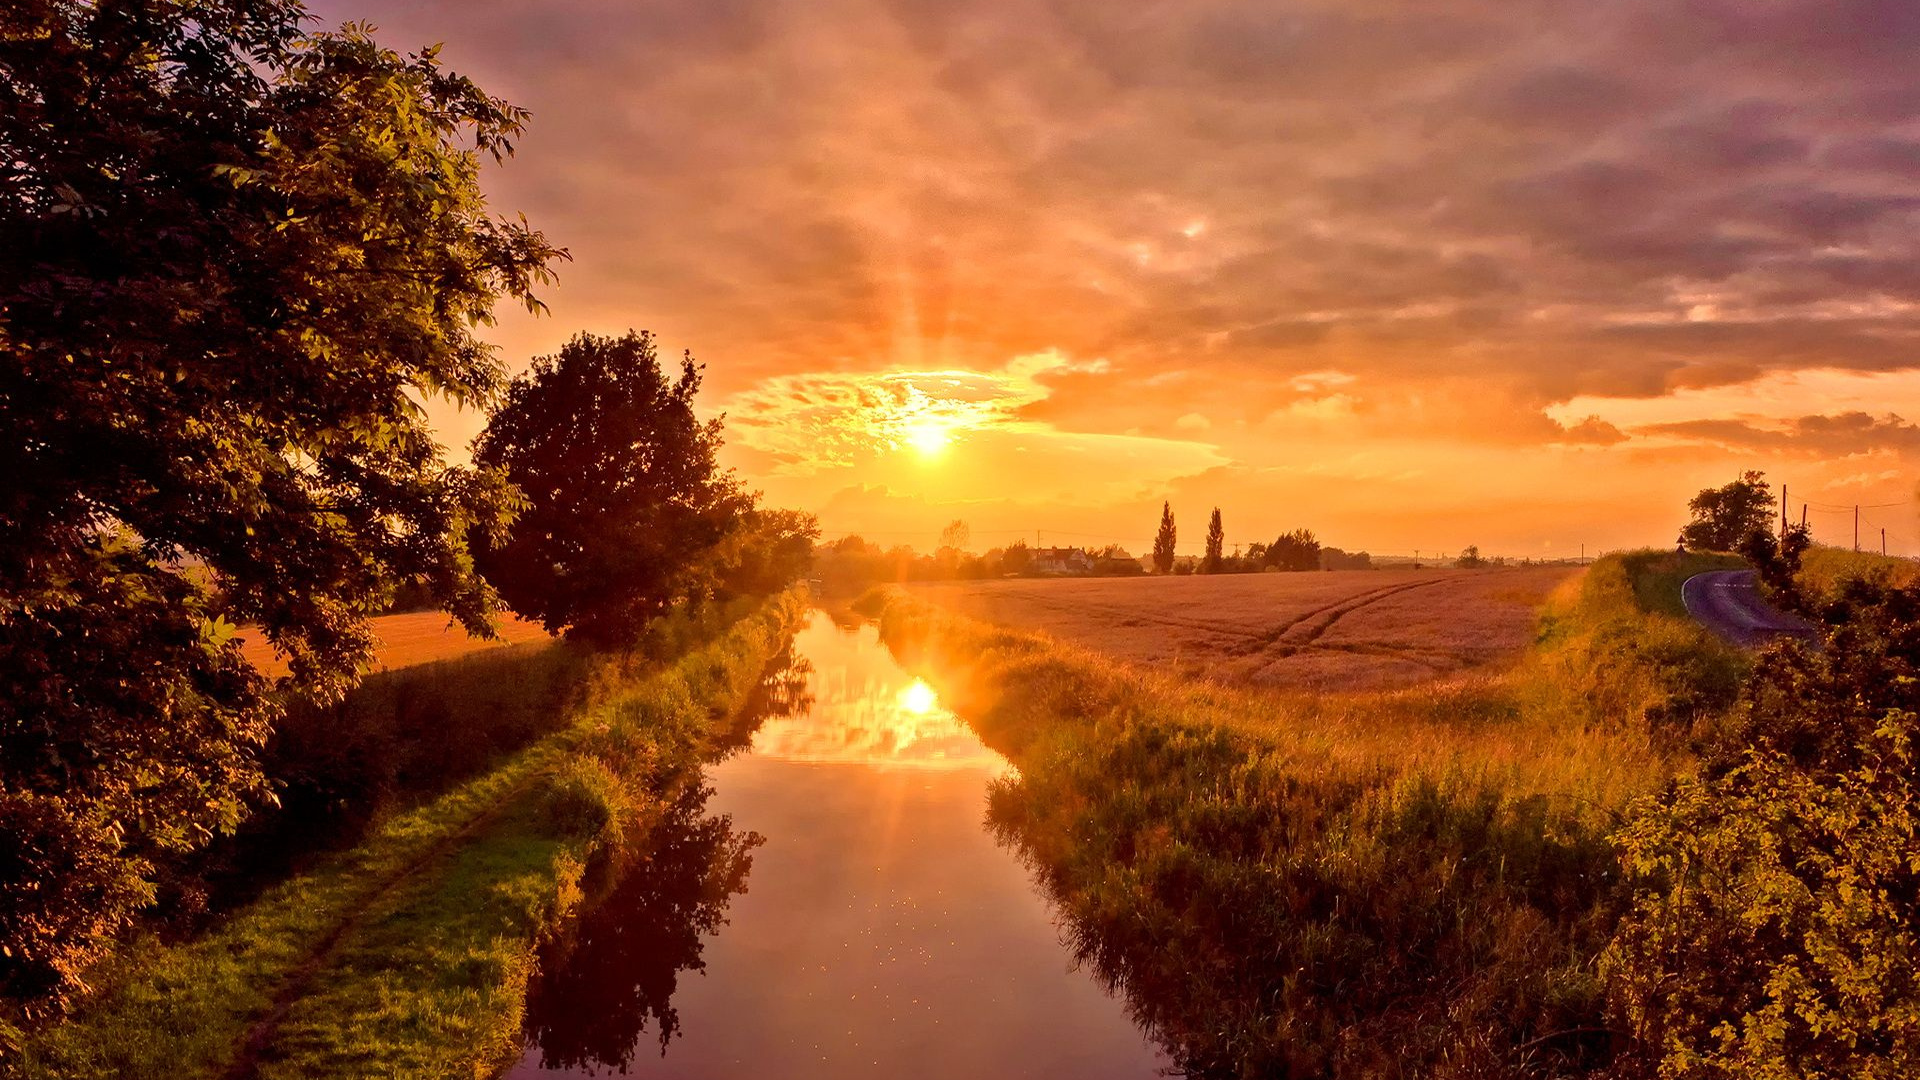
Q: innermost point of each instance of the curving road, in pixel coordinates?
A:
(1728, 602)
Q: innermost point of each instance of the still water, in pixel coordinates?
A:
(830, 905)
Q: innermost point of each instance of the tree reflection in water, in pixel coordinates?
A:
(601, 984)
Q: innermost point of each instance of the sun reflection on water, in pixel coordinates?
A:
(867, 711)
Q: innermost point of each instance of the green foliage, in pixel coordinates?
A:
(128, 729)
(1656, 577)
(1824, 571)
(625, 504)
(409, 953)
(586, 800)
(1163, 540)
(1723, 517)
(1416, 883)
(1776, 896)
(236, 253)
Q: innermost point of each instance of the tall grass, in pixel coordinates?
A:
(1407, 883)
(408, 954)
(1824, 570)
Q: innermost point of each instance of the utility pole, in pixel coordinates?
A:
(1856, 527)
(1783, 509)
(1883, 541)
(1803, 515)
(1583, 553)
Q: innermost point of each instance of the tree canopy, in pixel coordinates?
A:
(626, 506)
(1724, 517)
(239, 254)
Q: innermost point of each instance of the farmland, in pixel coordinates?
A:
(415, 637)
(1354, 629)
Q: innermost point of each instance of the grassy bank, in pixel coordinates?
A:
(408, 954)
(1825, 570)
(1409, 883)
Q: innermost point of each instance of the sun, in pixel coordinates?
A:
(929, 437)
(918, 698)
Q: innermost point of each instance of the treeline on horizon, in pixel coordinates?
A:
(853, 563)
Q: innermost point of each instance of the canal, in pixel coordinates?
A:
(830, 904)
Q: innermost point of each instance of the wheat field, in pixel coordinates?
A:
(1349, 629)
(415, 637)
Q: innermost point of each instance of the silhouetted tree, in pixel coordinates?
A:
(1216, 540)
(1296, 550)
(1332, 558)
(625, 504)
(1163, 541)
(1470, 558)
(1778, 562)
(1725, 516)
(956, 535)
(237, 253)
(1017, 558)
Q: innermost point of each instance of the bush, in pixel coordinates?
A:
(585, 800)
(1776, 897)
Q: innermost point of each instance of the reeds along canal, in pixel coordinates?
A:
(830, 904)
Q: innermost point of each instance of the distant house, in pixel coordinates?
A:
(1055, 562)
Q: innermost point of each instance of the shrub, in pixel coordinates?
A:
(586, 800)
(1776, 897)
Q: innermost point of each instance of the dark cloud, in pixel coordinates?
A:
(1822, 436)
(1561, 198)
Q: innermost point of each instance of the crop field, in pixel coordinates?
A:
(1350, 630)
(415, 637)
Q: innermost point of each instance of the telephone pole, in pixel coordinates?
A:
(1883, 541)
(1783, 509)
(1856, 527)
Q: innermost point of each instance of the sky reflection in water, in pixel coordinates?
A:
(882, 932)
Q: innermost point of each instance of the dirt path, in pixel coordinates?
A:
(253, 1048)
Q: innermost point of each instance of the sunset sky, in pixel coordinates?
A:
(1415, 275)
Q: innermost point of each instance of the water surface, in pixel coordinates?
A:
(881, 932)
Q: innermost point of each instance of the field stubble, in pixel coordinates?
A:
(1348, 630)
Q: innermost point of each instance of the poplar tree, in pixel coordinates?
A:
(1163, 541)
(1216, 543)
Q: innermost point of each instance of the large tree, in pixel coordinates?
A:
(1724, 517)
(1163, 541)
(238, 255)
(1216, 545)
(626, 508)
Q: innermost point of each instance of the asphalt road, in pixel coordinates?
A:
(1729, 603)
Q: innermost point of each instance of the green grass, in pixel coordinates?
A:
(1409, 883)
(1658, 575)
(1824, 570)
(409, 954)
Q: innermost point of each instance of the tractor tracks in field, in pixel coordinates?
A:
(1282, 641)
(1299, 631)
